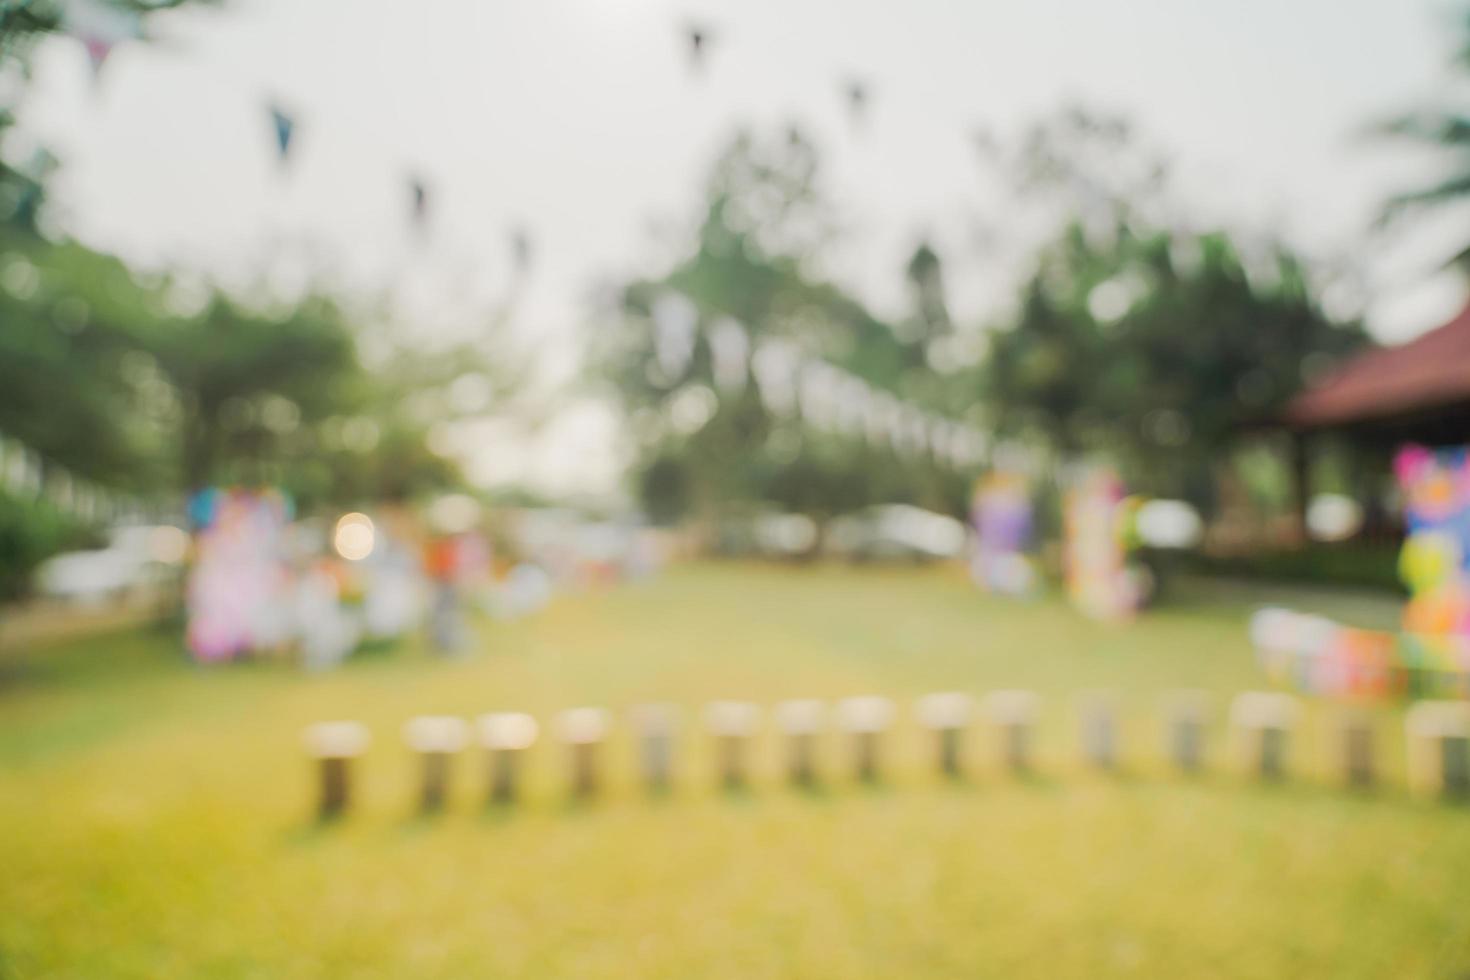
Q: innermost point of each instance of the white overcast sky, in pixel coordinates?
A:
(580, 120)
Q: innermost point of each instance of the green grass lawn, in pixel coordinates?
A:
(155, 817)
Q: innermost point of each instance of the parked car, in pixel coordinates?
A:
(136, 557)
(896, 531)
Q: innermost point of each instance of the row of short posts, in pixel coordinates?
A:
(1261, 723)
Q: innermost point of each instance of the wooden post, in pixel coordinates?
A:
(866, 719)
(1438, 736)
(1301, 481)
(1262, 722)
(1185, 715)
(656, 725)
(334, 744)
(506, 736)
(583, 730)
(1355, 738)
(947, 714)
(1098, 721)
(801, 722)
(1014, 715)
(436, 738)
(732, 723)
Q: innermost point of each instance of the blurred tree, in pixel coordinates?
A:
(1152, 346)
(97, 24)
(1446, 128)
(76, 383)
(75, 387)
(157, 387)
(109, 377)
(247, 383)
(380, 443)
(925, 275)
(1159, 350)
(663, 488)
(103, 374)
(30, 532)
(709, 446)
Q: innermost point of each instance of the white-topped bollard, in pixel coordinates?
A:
(436, 738)
(1097, 718)
(1014, 715)
(1354, 748)
(334, 744)
(1438, 737)
(583, 730)
(947, 714)
(865, 718)
(733, 724)
(505, 736)
(801, 720)
(1262, 722)
(1185, 716)
(656, 725)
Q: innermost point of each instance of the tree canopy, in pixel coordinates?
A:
(1158, 350)
(1444, 127)
(707, 447)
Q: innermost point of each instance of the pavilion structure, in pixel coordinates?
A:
(1414, 392)
(1385, 397)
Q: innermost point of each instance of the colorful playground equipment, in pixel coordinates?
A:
(1098, 520)
(1430, 657)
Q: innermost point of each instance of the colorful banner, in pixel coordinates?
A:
(1316, 655)
(239, 587)
(1431, 656)
(1097, 521)
(1002, 517)
(1435, 561)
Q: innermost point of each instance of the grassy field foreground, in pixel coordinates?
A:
(154, 817)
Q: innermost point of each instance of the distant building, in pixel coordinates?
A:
(1385, 397)
(1414, 392)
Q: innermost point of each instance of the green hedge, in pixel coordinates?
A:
(30, 532)
(1349, 563)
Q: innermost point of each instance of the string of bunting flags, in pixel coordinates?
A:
(793, 383)
(100, 27)
(26, 474)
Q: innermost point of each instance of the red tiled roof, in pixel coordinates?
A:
(1427, 372)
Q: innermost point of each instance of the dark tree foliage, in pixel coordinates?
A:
(1159, 350)
(1444, 127)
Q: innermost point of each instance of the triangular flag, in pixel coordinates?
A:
(420, 192)
(520, 248)
(698, 38)
(857, 101)
(97, 51)
(284, 127)
(100, 27)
